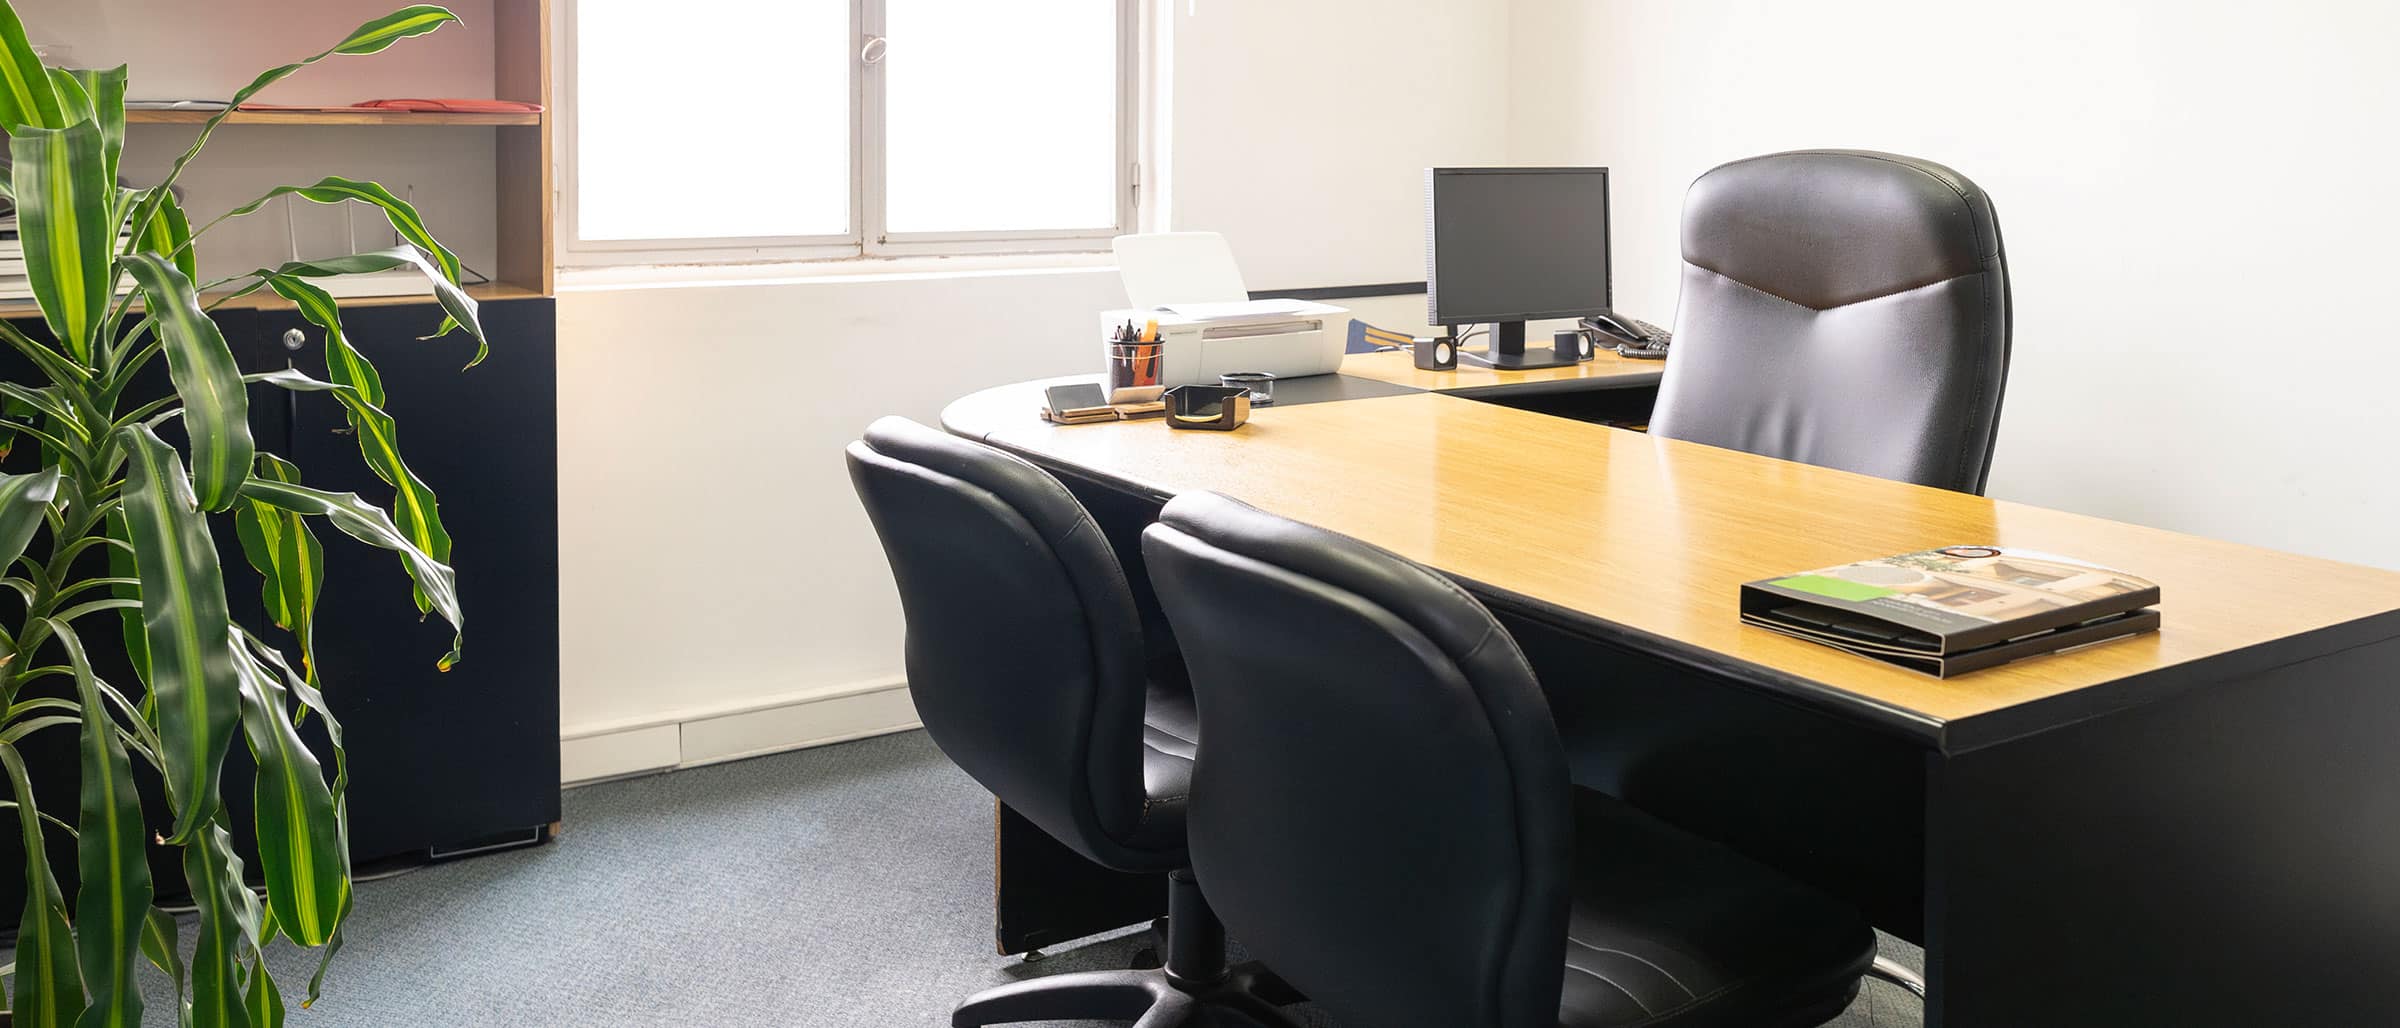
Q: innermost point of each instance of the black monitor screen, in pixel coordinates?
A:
(1515, 244)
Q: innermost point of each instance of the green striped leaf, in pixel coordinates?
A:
(74, 104)
(105, 91)
(314, 702)
(228, 928)
(65, 207)
(216, 409)
(26, 95)
(261, 998)
(368, 524)
(121, 566)
(316, 982)
(299, 838)
(415, 510)
(23, 498)
(290, 561)
(295, 380)
(162, 942)
(114, 897)
(405, 220)
(461, 308)
(414, 20)
(45, 400)
(168, 233)
(366, 39)
(184, 621)
(458, 308)
(49, 987)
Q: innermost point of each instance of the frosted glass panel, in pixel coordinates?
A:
(1001, 115)
(712, 118)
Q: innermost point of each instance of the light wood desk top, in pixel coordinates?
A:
(1484, 493)
(1605, 370)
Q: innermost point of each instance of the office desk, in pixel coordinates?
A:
(1608, 388)
(2186, 828)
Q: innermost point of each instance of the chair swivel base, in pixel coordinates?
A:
(1149, 999)
(1898, 974)
(1194, 989)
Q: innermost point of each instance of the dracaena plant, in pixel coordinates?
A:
(112, 543)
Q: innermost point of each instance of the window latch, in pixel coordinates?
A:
(872, 51)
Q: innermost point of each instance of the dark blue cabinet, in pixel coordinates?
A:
(440, 762)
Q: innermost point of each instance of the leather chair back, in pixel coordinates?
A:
(1381, 811)
(1024, 649)
(1842, 308)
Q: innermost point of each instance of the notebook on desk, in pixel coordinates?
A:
(1955, 609)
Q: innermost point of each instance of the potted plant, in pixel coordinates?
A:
(111, 543)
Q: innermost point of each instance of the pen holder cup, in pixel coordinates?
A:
(1133, 372)
(1208, 408)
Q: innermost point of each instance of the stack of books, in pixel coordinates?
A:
(13, 285)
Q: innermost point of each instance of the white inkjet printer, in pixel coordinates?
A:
(1188, 283)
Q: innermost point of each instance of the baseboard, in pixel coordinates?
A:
(829, 717)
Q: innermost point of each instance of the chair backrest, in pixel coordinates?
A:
(1381, 809)
(1842, 308)
(1178, 267)
(1024, 648)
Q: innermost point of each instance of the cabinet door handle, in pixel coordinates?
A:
(294, 339)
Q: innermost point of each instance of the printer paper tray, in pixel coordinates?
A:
(1275, 328)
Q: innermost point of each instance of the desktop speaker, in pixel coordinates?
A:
(1572, 342)
(1437, 353)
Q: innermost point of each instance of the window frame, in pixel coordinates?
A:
(867, 237)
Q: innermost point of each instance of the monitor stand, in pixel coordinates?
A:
(1507, 352)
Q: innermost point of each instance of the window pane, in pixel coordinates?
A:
(712, 118)
(1001, 115)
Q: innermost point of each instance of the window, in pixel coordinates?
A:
(729, 130)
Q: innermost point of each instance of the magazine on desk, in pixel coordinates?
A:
(1955, 609)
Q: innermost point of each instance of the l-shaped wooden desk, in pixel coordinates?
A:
(2193, 828)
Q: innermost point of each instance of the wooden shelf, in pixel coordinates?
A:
(334, 118)
(267, 299)
(523, 189)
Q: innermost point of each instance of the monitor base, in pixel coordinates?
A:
(1527, 360)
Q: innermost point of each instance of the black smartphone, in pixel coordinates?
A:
(1075, 396)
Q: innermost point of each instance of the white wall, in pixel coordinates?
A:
(2195, 195)
(713, 556)
(1303, 130)
(181, 50)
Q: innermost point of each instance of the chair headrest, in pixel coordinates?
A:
(1827, 228)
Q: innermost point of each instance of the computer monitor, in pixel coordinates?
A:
(1510, 245)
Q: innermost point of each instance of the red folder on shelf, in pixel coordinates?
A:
(456, 106)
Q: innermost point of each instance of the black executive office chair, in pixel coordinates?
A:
(1382, 813)
(1025, 660)
(1842, 308)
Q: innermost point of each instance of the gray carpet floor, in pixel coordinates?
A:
(842, 887)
